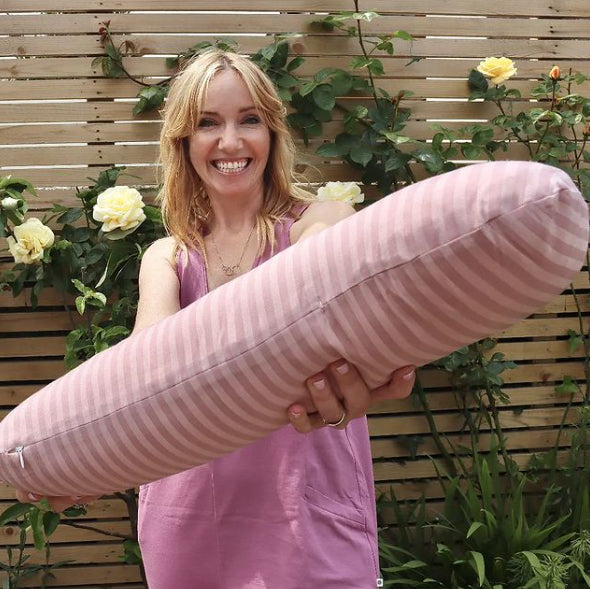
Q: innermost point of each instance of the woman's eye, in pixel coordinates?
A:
(252, 120)
(206, 123)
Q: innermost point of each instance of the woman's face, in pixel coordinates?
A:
(229, 148)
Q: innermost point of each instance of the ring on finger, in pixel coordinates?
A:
(336, 423)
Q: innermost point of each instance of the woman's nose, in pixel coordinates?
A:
(230, 138)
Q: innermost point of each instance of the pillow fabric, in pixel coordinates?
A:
(433, 267)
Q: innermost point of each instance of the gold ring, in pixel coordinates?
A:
(336, 423)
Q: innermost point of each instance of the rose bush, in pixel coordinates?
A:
(348, 192)
(119, 207)
(30, 241)
(498, 69)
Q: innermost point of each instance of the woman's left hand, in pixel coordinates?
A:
(339, 394)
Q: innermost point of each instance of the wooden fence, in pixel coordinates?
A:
(61, 122)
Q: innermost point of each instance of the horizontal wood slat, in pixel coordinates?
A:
(102, 88)
(311, 45)
(557, 8)
(228, 24)
(398, 67)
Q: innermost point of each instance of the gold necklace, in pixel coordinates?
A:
(235, 269)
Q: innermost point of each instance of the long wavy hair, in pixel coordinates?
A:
(184, 202)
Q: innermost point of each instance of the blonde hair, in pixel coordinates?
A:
(185, 205)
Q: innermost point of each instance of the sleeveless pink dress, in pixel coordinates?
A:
(290, 511)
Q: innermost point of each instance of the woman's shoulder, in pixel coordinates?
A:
(160, 250)
(324, 213)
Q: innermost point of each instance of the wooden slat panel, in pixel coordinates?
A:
(42, 370)
(89, 575)
(109, 88)
(408, 425)
(32, 347)
(65, 155)
(428, 468)
(228, 24)
(311, 45)
(122, 111)
(13, 395)
(65, 533)
(147, 154)
(520, 396)
(398, 67)
(557, 8)
(394, 448)
(79, 133)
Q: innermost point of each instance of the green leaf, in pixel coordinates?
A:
(568, 387)
(307, 88)
(479, 565)
(150, 98)
(13, 512)
(402, 35)
(331, 150)
(295, 63)
(323, 96)
(473, 528)
(172, 62)
(361, 154)
(375, 66)
(112, 68)
(81, 304)
(50, 522)
(359, 62)
(471, 152)
(477, 81)
(36, 521)
(367, 16)
(482, 136)
(342, 84)
(70, 216)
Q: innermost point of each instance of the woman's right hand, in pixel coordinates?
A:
(57, 504)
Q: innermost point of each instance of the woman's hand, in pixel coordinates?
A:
(57, 504)
(339, 394)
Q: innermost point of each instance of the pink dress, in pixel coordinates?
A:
(290, 511)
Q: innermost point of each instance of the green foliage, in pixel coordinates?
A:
(40, 523)
(100, 269)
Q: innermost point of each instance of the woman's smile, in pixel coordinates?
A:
(231, 167)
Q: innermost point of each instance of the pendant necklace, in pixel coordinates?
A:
(235, 269)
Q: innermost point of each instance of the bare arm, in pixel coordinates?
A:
(158, 285)
(319, 216)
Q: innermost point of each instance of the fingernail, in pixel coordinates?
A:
(34, 497)
(409, 373)
(319, 384)
(343, 368)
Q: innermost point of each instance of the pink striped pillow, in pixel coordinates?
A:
(435, 266)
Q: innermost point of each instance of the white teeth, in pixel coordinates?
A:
(231, 167)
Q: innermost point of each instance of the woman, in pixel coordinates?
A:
(288, 511)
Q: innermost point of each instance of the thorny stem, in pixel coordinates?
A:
(515, 133)
(123, 69)
(435, 434)
(97, 530)
(364, 50)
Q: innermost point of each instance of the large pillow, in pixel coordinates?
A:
(409, 279)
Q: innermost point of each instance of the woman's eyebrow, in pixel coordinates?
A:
(213, 112)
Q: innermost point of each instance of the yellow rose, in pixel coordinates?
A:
(32, 238)
(348, 192)
(499, 69)
(119, 207)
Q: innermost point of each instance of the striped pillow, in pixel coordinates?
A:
(431, 268)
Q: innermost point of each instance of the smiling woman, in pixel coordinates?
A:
(287, 510)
